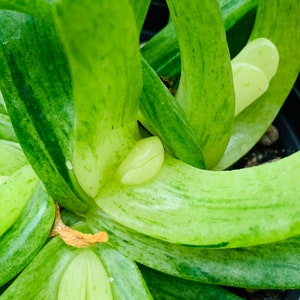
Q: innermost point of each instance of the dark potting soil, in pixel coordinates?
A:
(281, 139)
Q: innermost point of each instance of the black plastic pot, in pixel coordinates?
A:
(289, 119)
(288, 122)
(156, 19)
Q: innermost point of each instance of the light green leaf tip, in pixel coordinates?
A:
(85, 278)
(252, 69)
(143, 162)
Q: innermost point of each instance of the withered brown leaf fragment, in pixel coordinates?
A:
(74, 237)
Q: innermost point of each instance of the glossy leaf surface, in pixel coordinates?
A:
(42, 279)
(22, 241)
(271, 266)
(215, 209)
(103, 54)
(205, 89)
(36, 86)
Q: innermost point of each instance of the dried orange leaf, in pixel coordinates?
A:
(74, 237)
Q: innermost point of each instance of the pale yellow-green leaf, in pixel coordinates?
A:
(85, 278)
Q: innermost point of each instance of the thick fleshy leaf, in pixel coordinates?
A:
(164, 286)
(160, 113)
(131, 285)
(104, 58)
(271, 266)
(205, 89)
(22, 241)
(277, 21)
(84, 278)
(51, 125)
(48, 273)
(41, 278)
(15, 191)
(2, 105)
(17, 183)
(212, 209)
(163, 116)
(12, 158)
(162, 51)
(36, 86)
(126, 279)
(31, 7)
(140, 9)
(6, 129)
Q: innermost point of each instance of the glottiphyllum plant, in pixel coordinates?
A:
(134, 144)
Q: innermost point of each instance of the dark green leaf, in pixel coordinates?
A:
(36, 86)
(166, 287)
